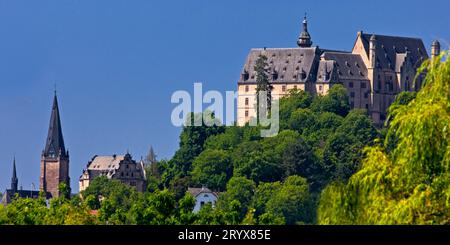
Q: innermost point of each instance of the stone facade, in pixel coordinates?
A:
(378, 68)
(119, 167)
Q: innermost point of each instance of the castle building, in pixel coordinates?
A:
(374, 72)
(54, 158)
(122, 168)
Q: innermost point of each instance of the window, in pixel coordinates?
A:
(274, 75)
(350, 84)
(283, 88)
(352, 94)
(366, 95)
(246, 101)
(202, 204)
(246, 88)
(378, 85)
(320, 87)
(295, 86)
(246, 113)
(352, 104)
(363, 85)
(367, 106)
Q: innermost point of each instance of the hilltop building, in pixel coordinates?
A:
(378, 68)
(120, 167)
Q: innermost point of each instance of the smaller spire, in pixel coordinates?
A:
(14, 180)
(304, 40)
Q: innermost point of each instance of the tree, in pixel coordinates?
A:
(292, 201)
(192, 140)
(264, 192)
(226, 141)
(343, 150)
(411, 183)
(296, 99)
(239, 189)
(212, 168)
(251, 161)
(263, 85)
(336, 101)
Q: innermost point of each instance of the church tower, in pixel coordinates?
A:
(14, 180)
(54, 158)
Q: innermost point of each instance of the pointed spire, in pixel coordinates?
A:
(54, 146)
(304, 40)
(14, 180)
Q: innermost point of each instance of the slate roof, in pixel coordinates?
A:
(55, 141)
(348, 66)
(8, 195)
(105, 162)
(105, 165)
(108, 165)
(285, 64)
(197, 191)
(389, 46)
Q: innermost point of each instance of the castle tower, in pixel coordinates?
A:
(14, 179)
(435, 49)
(304, 40)
(54, 158)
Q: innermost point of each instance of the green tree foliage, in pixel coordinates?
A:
(251, 161)
(239, 190)
(411, 183)
(336, 101)
(212, 168)
(343, 150)
(292, 201)
(263, 85)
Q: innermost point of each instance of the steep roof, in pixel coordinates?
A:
(197, 191)
(348, 66)
(289, 64)
(389, 46)
(105, 162)
(55, 141)
(9, 195)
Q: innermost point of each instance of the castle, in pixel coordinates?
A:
(374, 72)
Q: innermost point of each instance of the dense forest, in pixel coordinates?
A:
(327, 165)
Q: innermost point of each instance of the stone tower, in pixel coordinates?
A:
(435, 49)
(54, 158)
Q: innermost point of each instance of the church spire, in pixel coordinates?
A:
(54, 146)
(14, 180)
(304, 40)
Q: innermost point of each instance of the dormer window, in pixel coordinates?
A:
(303, 75)
(274, 75)
(245, 76)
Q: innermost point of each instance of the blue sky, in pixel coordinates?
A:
(117, 63)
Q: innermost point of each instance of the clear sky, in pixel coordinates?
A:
(117, 63)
